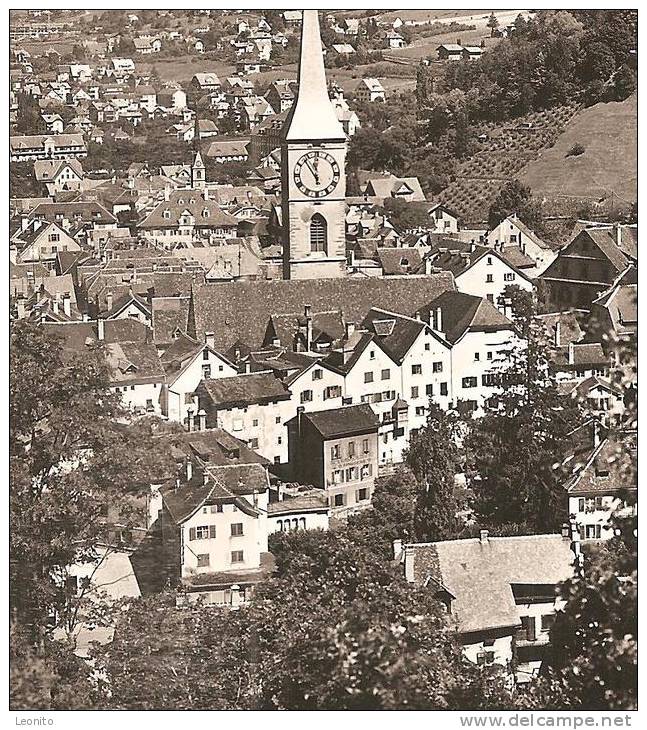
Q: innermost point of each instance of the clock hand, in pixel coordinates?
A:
(314, 171)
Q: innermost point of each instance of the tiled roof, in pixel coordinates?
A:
(134, 363)
(481, 575)
(243, 390)
(396, 261)
(312, 500)
(463, 312)
(169, 314)
(215, 446)
(395, 332)
(610, 468)
(286, 326)
(191, 201)
(346, 421)
(247, 305)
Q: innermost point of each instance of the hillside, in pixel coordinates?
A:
(607, 168)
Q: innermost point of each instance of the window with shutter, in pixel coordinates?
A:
(212, 531)
(192, 533)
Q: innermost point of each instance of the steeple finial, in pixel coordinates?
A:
(313, 116)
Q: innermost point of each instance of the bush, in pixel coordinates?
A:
(576, 150)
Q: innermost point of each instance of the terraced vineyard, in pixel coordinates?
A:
(504, 152)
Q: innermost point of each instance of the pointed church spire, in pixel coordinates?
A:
(197, 160)
(313, 115)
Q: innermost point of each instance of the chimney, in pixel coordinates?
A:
(202, 420)
(109, 300)
(308, 316)
(300, 411)
(189, 470)
(237, 355)
(438, 320)
(558, 333)
(131, 183)
(55, 305)
(205, 477)
(472, 246)
(67, 304)
(189, 419)
(210, 339)
(397, 549)
(596, 434)
(618, 232)
(484, 537)
(350, 328)
(167, 193)
(409, 561)
(571, 353)
(20, 306)
(101, 329)
(205, 194)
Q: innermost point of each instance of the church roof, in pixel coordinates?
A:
(312, 116)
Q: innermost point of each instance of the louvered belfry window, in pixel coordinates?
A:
(318, 234)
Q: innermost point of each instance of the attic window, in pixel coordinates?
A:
(404, 262)
(205, 213)
(166, 213)
(181, 201)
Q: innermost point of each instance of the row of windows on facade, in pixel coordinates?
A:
(237, 556)
(335, 451)
(352, 474)
(489, 278)
(208, 532)
(340, 500)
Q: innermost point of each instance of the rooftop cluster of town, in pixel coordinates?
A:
(295, 334)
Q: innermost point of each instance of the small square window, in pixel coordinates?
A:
(237, 556)
(203, 560)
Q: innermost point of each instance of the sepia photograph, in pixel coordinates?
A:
(323, 334)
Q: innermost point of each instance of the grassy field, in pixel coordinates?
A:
(608, 133)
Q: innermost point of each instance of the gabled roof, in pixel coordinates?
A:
(395, 332)
(207, 213)
(339, 422)
(134, 363)
(481, 576)
(243, 390)
(286, 326)
(611, 467)
(465, 312)
(398, 261)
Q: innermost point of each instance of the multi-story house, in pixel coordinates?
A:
(337, 451)
(586, 267)
(41, 242)
(481, 339)
(44, 147)
(186, 362)
(480, 271)
(185, 216)
(423, 359)
(500, 593)
(512, 231)
(370, 90)
(59, 175)
(214, 531)
(253, 407)
(136, 374)
(605, 486)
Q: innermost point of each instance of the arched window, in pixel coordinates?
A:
(318, 234)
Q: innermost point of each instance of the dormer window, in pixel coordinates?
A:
(205, 213)
(166, 213)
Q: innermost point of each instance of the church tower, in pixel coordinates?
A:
(198, 176)
(313, 174)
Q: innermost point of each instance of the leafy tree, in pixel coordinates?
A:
(29, 118)
(71, 463)
(391, 516)
(405, 215)
(514, 448)
(515, 197)
(593, 660)
(434, 458)
(625, 82)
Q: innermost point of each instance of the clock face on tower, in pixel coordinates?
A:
(316, 174)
